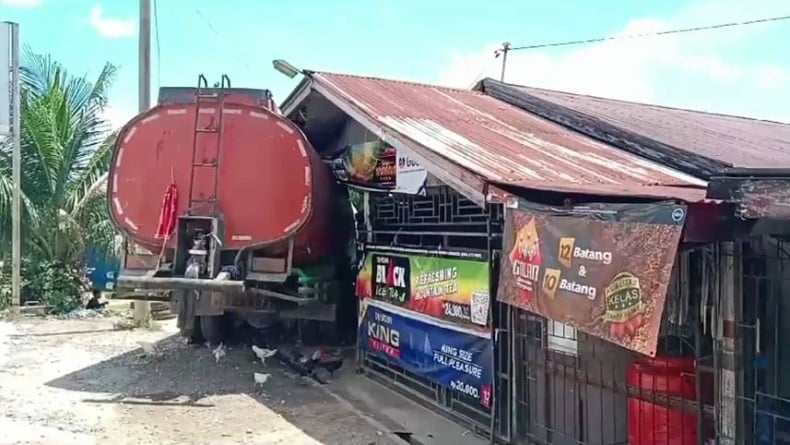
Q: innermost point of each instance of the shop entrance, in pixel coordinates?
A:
(573, 388)
(764, 391)
(440, 224)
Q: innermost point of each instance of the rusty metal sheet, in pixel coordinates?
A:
(730, 141)
(503, 143)
(688, 194)
(755, 197)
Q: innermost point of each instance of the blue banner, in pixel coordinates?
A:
(453, 358)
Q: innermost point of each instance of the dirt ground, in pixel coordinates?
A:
(84, 381)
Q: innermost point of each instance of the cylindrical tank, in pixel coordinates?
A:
(655, 424)
(269, 184)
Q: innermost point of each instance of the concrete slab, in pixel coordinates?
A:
(398, 414)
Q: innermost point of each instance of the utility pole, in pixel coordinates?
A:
(504, 50)
(16, 173)
(10, 125)
(142, 309)
(144, 75)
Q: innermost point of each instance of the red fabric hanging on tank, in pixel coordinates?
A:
(167, 216)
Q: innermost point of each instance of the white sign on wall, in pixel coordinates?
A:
(410, 176)
(5, 78)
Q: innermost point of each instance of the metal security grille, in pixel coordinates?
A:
(504, 367)
(442, 219)
(458, 406)
(571, 388)
(764, 330)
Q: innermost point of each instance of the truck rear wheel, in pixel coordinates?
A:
(193, 334)
(212, 328)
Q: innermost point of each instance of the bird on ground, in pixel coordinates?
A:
(219, 352)
(263, 353)
(261, 378)
(330, 362)
(149, 348)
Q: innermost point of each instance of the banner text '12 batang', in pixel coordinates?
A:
(601, 268)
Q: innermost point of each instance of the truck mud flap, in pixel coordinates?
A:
(243, 301)
(189, 304)
(316, 312)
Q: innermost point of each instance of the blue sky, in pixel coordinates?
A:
(740, 71)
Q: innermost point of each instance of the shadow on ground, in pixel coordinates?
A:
(189, 377)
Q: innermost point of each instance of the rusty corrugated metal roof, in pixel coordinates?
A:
(731, 141)
(504, 144)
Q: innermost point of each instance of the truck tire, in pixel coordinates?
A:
(191, 331)
(212, 328)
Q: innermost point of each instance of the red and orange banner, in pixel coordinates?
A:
(602, 268)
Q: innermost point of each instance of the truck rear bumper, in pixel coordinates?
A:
(214, 297)
(219, 284)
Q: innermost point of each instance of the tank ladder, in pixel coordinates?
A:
(207, 137)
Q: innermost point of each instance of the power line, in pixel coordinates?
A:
(652, 34)
(208, 22)
(506, 47)
(217, 33)
(158, 48)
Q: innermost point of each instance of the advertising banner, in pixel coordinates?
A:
(603, 269)
(378, 166)
(449, 286)
(454, 358)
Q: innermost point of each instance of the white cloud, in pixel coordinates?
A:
(768, 76)
(665, 70)
(22, 3)
(117, 117)
(112, 27)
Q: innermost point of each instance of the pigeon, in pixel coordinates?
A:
(263, 353)
(219, 352)
(261, 378)
(149, 349)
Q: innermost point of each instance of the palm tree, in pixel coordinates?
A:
(66, 152)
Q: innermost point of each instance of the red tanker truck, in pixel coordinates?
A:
(238, 212)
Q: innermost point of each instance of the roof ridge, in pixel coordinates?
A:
(666, 107)
(398, 81)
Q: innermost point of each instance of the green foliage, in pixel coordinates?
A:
(66, 153)
(59, 285)
(5, 292)
(52, 283)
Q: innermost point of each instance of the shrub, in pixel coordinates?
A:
(52, 283)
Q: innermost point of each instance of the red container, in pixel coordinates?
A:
(651, 423)
(271, 185)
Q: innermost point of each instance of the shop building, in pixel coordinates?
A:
(458, 188)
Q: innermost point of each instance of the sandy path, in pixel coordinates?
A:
(84, 382)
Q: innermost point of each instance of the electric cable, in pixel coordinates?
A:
(650, 34)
